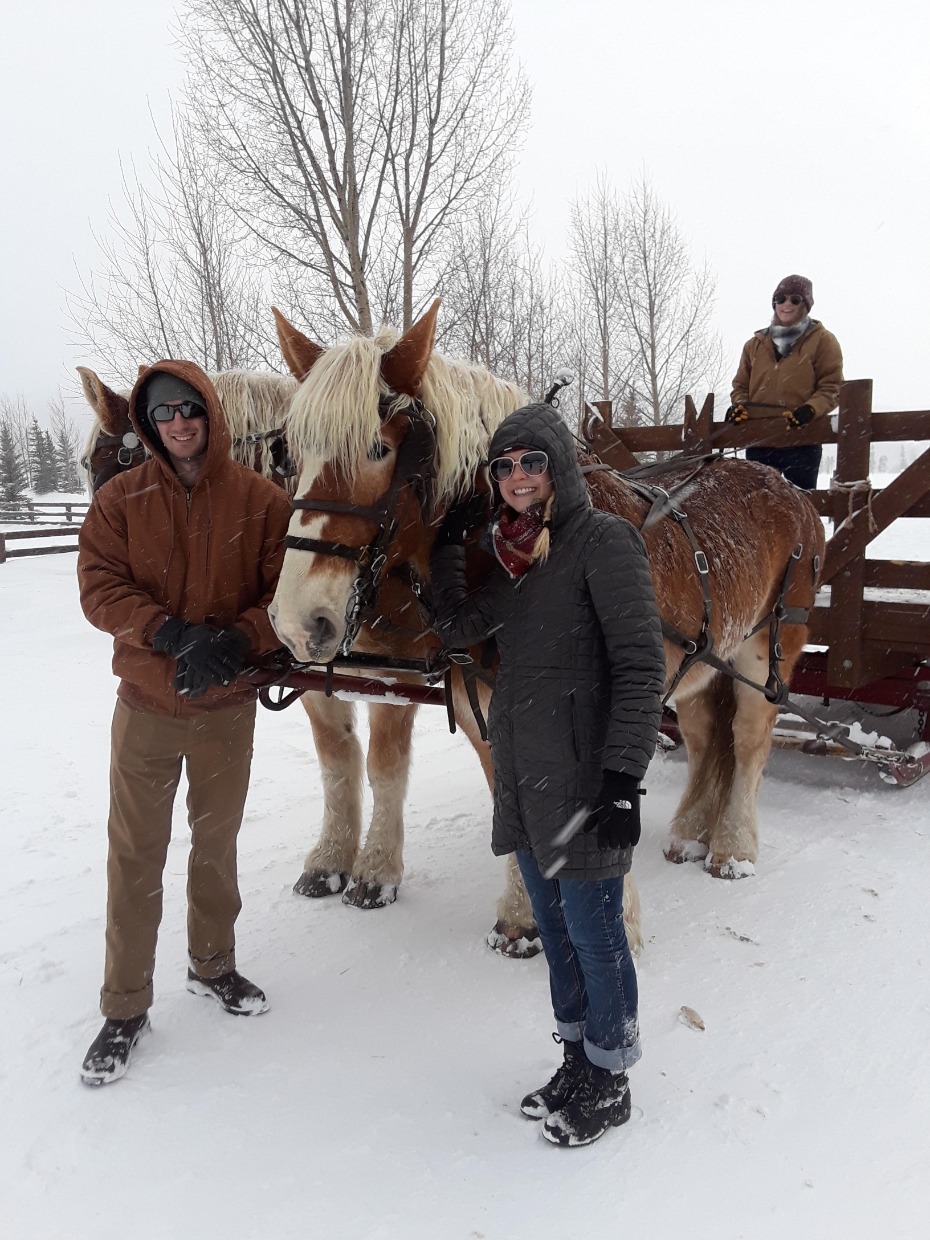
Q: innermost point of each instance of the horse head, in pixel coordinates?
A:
(388, 434)
(112, 445)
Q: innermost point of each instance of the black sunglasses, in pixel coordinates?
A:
(783, 297)
(187, 409)
(532, 463)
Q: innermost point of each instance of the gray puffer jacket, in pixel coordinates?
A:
(581, 660)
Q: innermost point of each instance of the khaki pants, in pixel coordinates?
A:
(145, 769)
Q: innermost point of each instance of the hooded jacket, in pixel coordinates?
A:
(150, 549)
(581, 660)
(809, 374)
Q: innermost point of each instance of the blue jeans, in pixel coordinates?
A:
(799, 465)
(591, 975)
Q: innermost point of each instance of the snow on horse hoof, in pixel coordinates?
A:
(517, 942)
(369, 895)
(729, 867)
(680, 851)
(318, 883)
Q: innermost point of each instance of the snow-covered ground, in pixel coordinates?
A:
(378, 1099)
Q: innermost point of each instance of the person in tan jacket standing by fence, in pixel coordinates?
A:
(793, 367)
(178, 560)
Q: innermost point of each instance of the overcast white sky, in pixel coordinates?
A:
(786, 137)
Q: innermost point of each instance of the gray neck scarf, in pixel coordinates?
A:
(784, 338)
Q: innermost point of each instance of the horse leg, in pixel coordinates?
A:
(705, 721)
(329, 863)
(379, 868)
(734, 844)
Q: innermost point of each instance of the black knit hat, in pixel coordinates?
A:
(800, 286)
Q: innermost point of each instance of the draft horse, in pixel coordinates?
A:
(365, 518)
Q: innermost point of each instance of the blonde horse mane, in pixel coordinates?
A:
(334, 414)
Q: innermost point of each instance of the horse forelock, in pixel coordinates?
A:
(334, 415)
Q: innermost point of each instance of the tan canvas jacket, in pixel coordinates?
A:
(810, 374)
(150, 549)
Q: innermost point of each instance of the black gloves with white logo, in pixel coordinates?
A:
(615, 816)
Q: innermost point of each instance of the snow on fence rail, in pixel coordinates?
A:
(47, 517)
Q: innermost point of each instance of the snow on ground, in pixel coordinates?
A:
(378, 1099)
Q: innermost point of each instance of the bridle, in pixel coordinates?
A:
(131, 451)
(415, 467)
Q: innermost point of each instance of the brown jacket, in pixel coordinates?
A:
(149, 549)
(810, 374)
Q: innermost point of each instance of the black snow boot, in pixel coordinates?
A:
(233, 992)
(599, 1101)
(108, 1057)
(555, 1093)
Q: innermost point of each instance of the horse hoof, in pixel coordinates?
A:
(728, 867)
(318, 883)
(517, 942)
(369, 895)
(680, 851)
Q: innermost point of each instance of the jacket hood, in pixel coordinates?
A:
(219, 442)
(541, 427)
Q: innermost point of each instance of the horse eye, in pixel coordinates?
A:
(378, 451)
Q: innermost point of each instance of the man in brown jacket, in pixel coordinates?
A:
(793, 367)
(178, 561)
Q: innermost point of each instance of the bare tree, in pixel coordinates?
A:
(353, 134)
(643, 333)
(601, 354)
(666, 307)
(504, 302)
(179, 276)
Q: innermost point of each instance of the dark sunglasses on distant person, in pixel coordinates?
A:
(187, 409)
(532, 463)
(783, 297)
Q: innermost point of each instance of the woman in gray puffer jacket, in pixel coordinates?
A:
(572, 724)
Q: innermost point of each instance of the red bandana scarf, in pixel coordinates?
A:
(514, 535)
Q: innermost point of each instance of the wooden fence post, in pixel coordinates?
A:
(854, 441)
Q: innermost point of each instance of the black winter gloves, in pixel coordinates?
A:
(615, 816)
(736, 413)
(796, 418)
(206, 655)
(463, 517)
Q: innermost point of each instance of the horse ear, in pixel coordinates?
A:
(300, 353)
(111, 408)
(404, 366)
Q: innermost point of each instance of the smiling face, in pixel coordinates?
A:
(185, 439)
(521, 490)
(787, 314)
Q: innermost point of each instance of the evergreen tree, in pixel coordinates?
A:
(12, 471)
(42, 459)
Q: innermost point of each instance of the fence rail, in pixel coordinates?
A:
(71, 531)
(44, 512)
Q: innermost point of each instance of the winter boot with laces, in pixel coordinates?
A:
(555, 1093)
(233, 992)
(600, 1100)
(108, 1057)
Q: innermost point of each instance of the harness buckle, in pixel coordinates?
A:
(700, 563)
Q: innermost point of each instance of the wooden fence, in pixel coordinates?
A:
(47, 516)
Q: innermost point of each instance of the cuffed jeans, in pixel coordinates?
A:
(591, 975)
(146, 757)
